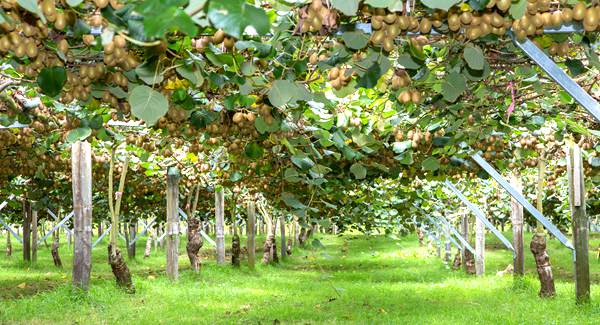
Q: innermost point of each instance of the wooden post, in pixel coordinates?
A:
(172, 226)
(517, 226)
(81, 166)
(579, 222)
(220, 223)
(250, 230)
(34, 235)
(26, 231)
(480, 245)
(464, 230)
(448, 254)
(282, 230)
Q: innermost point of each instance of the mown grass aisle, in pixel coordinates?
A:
(354, 279)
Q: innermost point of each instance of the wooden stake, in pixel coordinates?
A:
(172, 223)
(579, 223)
(464, 229)
(517, 226)
(250, 230)
(81, 166)
(480, 245)
(220, 224)
(282, 230)
(26, 231)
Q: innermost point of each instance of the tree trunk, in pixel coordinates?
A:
(538, 242)
(100, 232)
(270, 250)
(120, 269)
(235, 250)
(194, 243)
(131, 246)
(421, 237)
(457, 261)
(289, 247)
(148, 248)
(55, 246)
(469, 262)
(542, 261)
(8, 243)
(26, 231)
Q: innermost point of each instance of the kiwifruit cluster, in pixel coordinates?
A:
(265, 111)
(528, 142)
(219, 38)
(316, 17)
(538, 17)
(492, 147)
(410, 96)
(116, 54)
(400, 79)
(339, 77)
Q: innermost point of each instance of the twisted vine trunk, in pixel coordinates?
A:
(8, 244)
(421, 237)
(457, 261)
(469, 262)
(148, 248)
(235, 250)
(289, 247)
(55, 245)
(120, 269)
(270, 251)
(542, 262)
(194, 243)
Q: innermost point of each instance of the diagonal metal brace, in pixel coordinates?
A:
(60, 224)
(65, 227)
(522, 200)
(458, 235)
(146, 227)
(480, 215)
(102, 236)
(558, 75)
(444, 230)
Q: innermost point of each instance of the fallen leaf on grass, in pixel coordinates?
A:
(151, 277)
(22, 285)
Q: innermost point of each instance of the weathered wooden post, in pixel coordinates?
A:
(26, 231)
(480, 244)
(464, 231)
(517, 226)
(172, 226)
(579, 222)
(448, 254)
(81, 166)
(251, 230)
(220, 223)
(34, 235)
(282, 230)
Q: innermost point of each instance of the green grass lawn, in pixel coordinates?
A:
(378, 280)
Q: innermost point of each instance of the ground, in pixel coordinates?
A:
(353, 279)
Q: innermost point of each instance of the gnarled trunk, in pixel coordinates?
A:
(120, 269)
(235, 250)
(8, 243)
(148, 249)
(55, 245)
(457, 261)
(421, 237)
(194, 243)
(469, 262)
(289, 247)
(544, 268)
(270, 251)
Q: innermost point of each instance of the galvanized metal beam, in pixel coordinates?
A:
(463, 241)
(102, 236)
(480, 215)
(522, 200)
(146, 227)
(557, 74)
(60, 224)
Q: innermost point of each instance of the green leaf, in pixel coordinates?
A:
(400, 147)
(51, 80)
(290, 200)
(149, 73)
(407, 61)
(79, 134)
(473, 55)
(302, 161)
(359, 171)
(162, 16)
(575, 67)
(254, 151)
(431, 163)
(236, 176)
(32, 6)
(234, 16)
(347, 7)
(517, 10)
(74, 3)
(440, 4)
(454, 85)
(148, 104)
(285, 92)
(203, 118)
(478, 5)
(392, 5)
(191, 74)
(356, 40)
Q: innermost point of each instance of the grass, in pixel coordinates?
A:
(377, 280)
